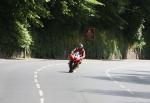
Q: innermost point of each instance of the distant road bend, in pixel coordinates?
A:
(96, 81)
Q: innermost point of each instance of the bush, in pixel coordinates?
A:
(24, 38)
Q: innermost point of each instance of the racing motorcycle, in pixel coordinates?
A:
(74, 61)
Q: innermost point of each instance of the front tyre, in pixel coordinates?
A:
(71, 66)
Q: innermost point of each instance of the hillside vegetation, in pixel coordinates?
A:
(52, 28)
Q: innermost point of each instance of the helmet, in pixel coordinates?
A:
(81, 45)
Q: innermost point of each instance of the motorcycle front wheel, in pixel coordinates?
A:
(71, 66)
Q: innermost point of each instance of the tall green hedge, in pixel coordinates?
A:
(106, 45)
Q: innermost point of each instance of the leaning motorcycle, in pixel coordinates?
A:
(74, 61)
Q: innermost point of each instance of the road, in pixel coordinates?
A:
(96, 81)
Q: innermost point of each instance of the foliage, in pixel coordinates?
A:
(48, 27)
(24, 38)
(139, 37)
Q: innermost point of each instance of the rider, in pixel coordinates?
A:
(81, 51)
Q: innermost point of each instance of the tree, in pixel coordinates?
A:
(16, 17)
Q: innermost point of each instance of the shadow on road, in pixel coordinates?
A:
(138, 77)
(143, 95)
(63, 72)
(134, 78)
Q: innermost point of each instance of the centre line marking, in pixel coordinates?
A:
(37, 82)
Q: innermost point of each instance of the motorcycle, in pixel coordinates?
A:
(75, 59)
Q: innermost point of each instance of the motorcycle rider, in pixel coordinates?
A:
(81, 51)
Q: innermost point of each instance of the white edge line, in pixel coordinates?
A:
(117, 82)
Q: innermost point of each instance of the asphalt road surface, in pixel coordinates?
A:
(96, 81)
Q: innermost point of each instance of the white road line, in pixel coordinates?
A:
(38, 70)
(130, 91)
(141, 77)
(107, 72)
(35, 76)
(35, 73)
(37, 83)
(41, 100)
(41, 93)
(38, 86)
(122, 86)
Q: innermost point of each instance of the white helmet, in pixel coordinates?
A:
(81, 45)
